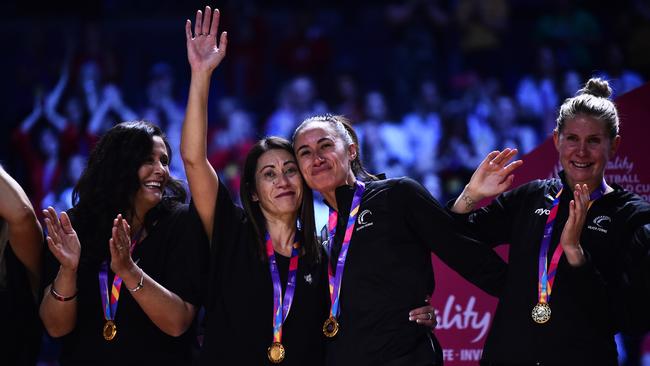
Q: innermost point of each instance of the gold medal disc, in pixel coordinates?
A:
(330, 327)
(276, 352)
(541, 313)
(110, 330)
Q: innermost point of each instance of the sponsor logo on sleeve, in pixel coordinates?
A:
(542, 211)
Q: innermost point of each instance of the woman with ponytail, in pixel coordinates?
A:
(579, 238)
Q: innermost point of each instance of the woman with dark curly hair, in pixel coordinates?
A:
(128, 281)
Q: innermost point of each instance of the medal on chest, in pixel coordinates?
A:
(331, 325)
(276, 351)
(541, 312)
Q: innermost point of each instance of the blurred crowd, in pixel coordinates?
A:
(432, 86)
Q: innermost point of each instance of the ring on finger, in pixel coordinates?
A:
(430, 316)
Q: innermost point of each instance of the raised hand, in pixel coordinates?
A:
(570, 238)
(120, 247)
(203, 53)
(494, 174)
(62, 240)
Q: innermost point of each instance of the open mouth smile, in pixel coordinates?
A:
(153, 185)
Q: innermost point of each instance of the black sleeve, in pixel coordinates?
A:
(492, 223)
(450, 241)
(228, 219)
(636, 281)
(186, 264)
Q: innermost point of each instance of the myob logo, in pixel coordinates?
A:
(542, 211)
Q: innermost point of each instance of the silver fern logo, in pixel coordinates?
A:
(600, 223)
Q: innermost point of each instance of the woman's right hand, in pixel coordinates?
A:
(203, 53)
(492, 177)
(62, 240)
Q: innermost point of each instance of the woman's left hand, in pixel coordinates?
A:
(203, 52)
(570, 239)
(120, 246)
(425, 315)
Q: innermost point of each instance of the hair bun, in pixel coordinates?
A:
(596, 87)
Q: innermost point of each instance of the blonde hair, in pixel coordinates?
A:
(592, 100)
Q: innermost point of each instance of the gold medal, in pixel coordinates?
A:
(330, 327)
(541, 313)
(276, 352)
(110, 330)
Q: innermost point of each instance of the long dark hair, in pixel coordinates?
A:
(309, 245)
(110, 182)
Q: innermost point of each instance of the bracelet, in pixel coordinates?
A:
(139, 286)
(60, 297)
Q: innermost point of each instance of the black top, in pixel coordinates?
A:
(239, 318)
(171, 255)
(388, 272)
(20, 336)
(590, 303)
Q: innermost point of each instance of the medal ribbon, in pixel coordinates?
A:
(547, 275)
(281, 308)
(335, 280)
(109, 302)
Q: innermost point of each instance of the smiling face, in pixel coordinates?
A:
(278, 185)
(585, 148)
(323, 157)
(153, 175)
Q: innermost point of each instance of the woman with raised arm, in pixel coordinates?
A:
(21, 251)
(578, 237)
(125, 280)
(381, 236)
(267, 286)
(267, 296)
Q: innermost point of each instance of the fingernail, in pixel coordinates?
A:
(410, 318)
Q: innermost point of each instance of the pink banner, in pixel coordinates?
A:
(464, 313)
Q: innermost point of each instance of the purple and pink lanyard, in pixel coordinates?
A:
(546, 273)
(109, 301)
(335, 280)
(281, 307)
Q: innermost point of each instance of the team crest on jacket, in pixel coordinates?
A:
(600, 223)
(363, 220)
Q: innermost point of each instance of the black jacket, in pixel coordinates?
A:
(388, 272)
(589, 303)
